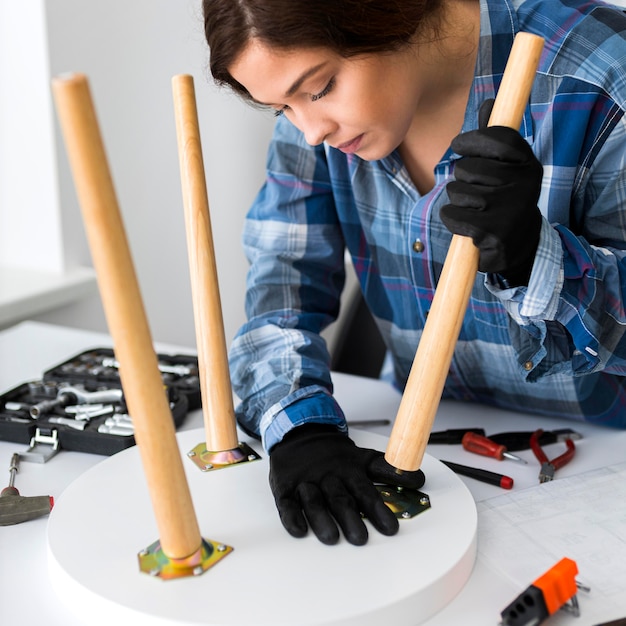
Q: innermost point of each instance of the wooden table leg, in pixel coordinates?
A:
(421, 397)
(143, 386)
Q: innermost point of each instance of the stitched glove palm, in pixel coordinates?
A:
(318, 475)
(494, 198)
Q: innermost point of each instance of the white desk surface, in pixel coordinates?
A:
(26, 596)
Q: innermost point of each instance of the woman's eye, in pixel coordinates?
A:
(314, 97)
(279, 112)
(325, 91)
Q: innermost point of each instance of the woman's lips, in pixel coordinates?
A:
(349, 147)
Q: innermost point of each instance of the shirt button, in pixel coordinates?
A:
(418, 246)
(528, 366)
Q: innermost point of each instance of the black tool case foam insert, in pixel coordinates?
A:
(89, 372)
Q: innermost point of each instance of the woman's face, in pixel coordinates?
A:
(362, 105)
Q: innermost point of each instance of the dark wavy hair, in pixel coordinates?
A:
(347, 27)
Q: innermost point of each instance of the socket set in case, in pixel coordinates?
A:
(79, 405)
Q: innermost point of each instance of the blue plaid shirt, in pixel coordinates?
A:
(556, 347)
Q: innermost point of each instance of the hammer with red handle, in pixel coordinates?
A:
(15, 508)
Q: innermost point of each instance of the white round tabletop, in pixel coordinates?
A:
(104, 519)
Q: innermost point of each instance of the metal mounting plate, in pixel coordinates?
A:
(208, 460)
(405, 503)
(155, 562)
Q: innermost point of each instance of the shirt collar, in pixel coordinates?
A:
(498, 26)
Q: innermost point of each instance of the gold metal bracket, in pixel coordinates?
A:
(405, 503)
(155, 562)
(208, 460)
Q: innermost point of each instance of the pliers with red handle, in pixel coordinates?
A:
(548, 467)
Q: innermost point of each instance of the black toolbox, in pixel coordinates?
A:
(79, 405)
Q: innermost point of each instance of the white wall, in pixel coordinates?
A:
(28, 185)
(130, 49)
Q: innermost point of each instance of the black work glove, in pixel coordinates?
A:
(494, 198)
(319, 475)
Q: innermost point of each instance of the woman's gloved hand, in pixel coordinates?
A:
(494, 198)
(321, 479)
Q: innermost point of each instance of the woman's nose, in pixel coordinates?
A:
(316, 129)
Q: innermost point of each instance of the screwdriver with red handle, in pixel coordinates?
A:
(478, 444)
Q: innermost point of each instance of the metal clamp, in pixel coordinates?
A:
(43, 446)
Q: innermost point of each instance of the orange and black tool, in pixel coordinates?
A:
(549, 593)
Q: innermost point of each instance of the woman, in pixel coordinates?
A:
(381, 146)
